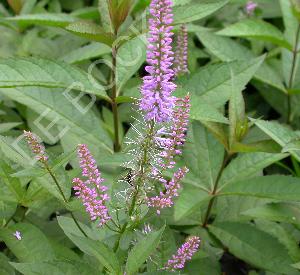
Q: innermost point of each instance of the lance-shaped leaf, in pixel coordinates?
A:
(282, 134)
(254, 246)
(196, 11)
(227, 50)
(38, 72)
(44, 19)
(277, 188)
(142, 250)
(248, 165)
(34, 245)
(91, 31)
(56, 267)
(258, 29)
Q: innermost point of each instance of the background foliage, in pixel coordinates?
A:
(242, 193)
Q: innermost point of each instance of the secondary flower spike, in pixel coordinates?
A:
(165, 199)
(172, 145)
(36, 146)
(91, 191)
(157, 101)
(181, 53)
(184, 253)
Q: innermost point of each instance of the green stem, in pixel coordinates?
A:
(292, 75)
(63, 195)
(215, 189)
(114, 104)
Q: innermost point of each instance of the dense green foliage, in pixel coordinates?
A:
(242, 194)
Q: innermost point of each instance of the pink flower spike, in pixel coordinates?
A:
(181, 53)
(91, 191)
(171, 145)
(184, 254)
(165, 199)
(18, 236)
(36, 146)
(157, 101)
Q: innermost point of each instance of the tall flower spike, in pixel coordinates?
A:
(157, 101)
(36, 146)
(184, 253)
(165, 199)
(172, 144)
(181, 53)
(91, 191)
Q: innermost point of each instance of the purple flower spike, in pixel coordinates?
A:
(250, 7)
(36, 146)
(181, 53)
(165, 199)
(91, 191)
(172, 145)
(184, 253)
(157, 100)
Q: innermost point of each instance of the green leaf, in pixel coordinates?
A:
(55, 267)
(44, 19)
(105, 17)
(196, 11)
(292, 146)
(131, 56)
(13, 184)
(38, 72)
(283, 135)
(190, 200)
(215, 86)
(33, 246)
(247, 165)
(278, 212)
(100, 251)
(278, 188)
(5, 267)
(71, 229)
(83, 125)
(203, 155)
(227, 50)
(91, 31)
(4, 127)
(257, 29)
(142, 250)
(284, 236)
(85, 53)
(253, 246)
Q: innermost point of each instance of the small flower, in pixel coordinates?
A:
(91, 191)
(165, 199)
(18, 236)
(181, 53)
(184, 253)
(250, 7)
(36, 146)
(157, 101)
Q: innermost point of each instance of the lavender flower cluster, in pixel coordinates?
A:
(36, 146)
(184, 253)
(91, 191)
(157, 101)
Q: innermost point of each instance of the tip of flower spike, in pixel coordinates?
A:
(90, 191)
(37, 148)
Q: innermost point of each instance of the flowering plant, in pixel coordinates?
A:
(128, 147)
